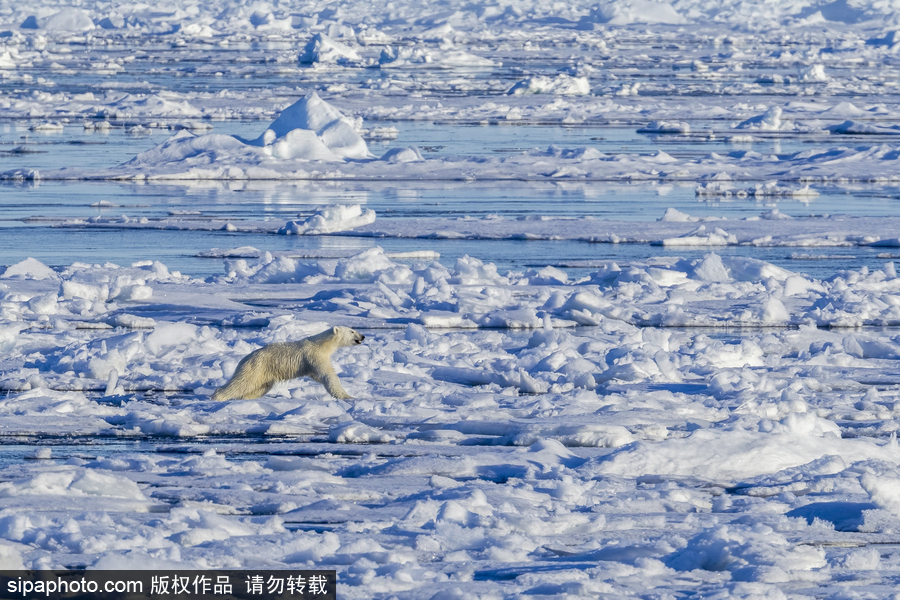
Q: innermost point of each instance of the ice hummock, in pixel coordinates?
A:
(330, 219)
(323, 49)
(310, 128)
(562, 85)
(29, 268)
(70, 19)
(443, 58)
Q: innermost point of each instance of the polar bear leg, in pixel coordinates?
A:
(259, 392)
(331, 382)
(333, 385)
(235, 392)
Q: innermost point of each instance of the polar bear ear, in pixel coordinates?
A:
(334, 330)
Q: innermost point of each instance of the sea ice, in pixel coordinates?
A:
(659, 420)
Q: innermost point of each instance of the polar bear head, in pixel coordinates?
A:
(347, 336)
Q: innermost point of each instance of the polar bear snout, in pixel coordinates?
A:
(359, 338)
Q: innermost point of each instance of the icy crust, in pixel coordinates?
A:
(371, 289)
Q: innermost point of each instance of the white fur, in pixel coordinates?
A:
(260, 370)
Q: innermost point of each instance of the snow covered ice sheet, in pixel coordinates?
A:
(625, 271)
(604, 455)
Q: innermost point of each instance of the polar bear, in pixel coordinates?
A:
(311, 357)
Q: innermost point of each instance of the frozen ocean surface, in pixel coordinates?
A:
(626, 273)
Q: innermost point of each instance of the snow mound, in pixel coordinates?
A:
(187, 149)
(862, 128)
(768, 121)
(843, 109)
(476, 377)
(311, 128)
(330, 219)
(69, 19)
(701, 237)
(8, 59)
(562, 85)
(402, 155)
(419, 57)
(884, 490)
(161, 104)
(673, 215)
(29, 268)
(74, 482)
(750, 553)
(323, 49)
(358, 433)
(796, 440)
(636, 11)
(666, 127)
(813, 73)
(302, 144)
(775, 215)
